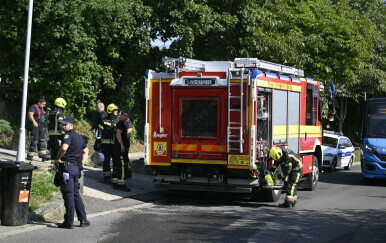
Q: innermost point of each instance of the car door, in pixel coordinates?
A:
(344, 150)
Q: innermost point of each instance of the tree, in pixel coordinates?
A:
(80, 50)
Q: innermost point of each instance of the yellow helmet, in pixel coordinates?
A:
(275, 153)
(111, 108)
(60, 102)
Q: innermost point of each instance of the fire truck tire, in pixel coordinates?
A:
(312, 179)
(266, 195)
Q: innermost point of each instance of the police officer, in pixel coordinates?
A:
(121, 163)
(71, 159)
(54, 132)
(36, 116)
(107, 140)
(291, 171)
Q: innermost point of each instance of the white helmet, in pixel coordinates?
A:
(98, 158)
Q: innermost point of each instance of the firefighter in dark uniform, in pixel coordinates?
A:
(54, 131)
(121, 163)
(291, 171)
(36, 126)
(98, 125)
(107, 140)
(71, 159)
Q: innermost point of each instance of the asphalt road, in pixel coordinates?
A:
(342, 209)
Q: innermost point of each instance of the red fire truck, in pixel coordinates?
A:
(210, 124)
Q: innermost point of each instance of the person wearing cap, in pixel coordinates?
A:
(121, 163)
(107, 140)
(71, 158)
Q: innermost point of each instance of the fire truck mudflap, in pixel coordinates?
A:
(209, 125)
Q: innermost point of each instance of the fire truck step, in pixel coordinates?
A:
(234, 109)
(234, 148)
(235, 141)
(236, 123)
(234, 136)
(234, 127)
(235, 97)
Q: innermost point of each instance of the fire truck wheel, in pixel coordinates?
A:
(266, 195)
(312, 179)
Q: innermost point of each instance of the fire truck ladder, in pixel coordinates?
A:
(234, 124)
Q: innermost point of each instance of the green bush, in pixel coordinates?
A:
(6, 132)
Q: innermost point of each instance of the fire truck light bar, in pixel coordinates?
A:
(268, 66)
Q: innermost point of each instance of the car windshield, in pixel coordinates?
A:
(376, 126)
(330, 142)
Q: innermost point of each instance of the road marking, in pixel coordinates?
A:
(29, 227)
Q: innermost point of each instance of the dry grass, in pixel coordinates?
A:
(138, 146)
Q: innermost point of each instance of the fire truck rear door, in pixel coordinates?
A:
(199, 123)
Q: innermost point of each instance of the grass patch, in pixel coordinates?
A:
(357, 154)
(42, 188)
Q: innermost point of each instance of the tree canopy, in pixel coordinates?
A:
(85, 51)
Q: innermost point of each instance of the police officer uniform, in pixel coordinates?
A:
(38, 137)
(291, 171)
(72, 165)
(54, 132)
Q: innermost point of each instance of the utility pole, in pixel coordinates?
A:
(21, 148)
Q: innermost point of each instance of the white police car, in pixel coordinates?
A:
(338, 151)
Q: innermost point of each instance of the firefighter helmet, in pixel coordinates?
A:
(111, 108)
(98, 158)
(60, 102)
(275, 153)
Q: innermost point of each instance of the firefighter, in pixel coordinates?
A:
(36, 126)
(55, 133)
(98, 126)
(291, 171)
(121, 163)
(107, 139)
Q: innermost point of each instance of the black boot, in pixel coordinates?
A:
(107, 179)
(287, 204)
(84, 223)
(65, 225)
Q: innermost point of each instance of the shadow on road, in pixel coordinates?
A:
(345, 177)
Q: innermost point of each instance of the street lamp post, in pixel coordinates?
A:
(21, 148)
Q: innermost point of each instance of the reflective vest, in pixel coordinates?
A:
(55, 116)
(108, 130)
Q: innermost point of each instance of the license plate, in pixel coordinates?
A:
(201, 82)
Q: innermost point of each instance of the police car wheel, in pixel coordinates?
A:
(333, 165)
(349, 166)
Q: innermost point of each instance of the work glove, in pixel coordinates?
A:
(269, 179)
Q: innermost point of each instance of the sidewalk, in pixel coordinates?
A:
(98, 196)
